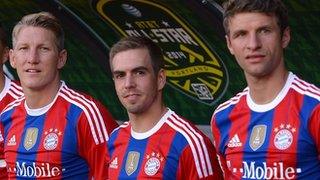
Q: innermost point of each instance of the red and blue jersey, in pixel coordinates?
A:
(10, 92)
(172, 149)
(64, 140)
(278, 140)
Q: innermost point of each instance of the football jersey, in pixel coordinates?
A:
(172, 149)
(10, 92)
(278, 140)
(66, 139)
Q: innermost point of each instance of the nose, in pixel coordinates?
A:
(129, 82)
(33, 56)
(254, 42)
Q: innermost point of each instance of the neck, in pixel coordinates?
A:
(39, 98)
(264, 90)
(145, 121)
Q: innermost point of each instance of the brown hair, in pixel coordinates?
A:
(270, 7)
(3, 37)
(44, 20)
(132, 42)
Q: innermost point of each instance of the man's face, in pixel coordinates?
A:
(36, 58)
(137, 86)
(256, 42)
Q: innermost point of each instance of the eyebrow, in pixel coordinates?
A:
(139, 68)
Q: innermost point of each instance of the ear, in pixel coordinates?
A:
(12, 59)
(62, 59)
(229, 44)
(161, 79)
(5, 55)
(286, 36)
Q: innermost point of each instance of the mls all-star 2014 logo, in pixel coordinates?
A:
(192, 67)
(284, 136)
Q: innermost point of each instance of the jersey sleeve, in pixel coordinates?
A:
(216, 141)
(93, 136)
(3, 168)
(204, 166)
(110, 122)
(314, 125)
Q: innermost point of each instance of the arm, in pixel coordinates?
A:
(314, 124)
(209, 167)
(93, 143)
(3, 169)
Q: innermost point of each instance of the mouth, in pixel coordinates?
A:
(32, 71)
(255, 57)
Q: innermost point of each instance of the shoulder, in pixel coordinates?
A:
(232, 101)
(13, 88)
(187, 129)
(305, 88)
(79, 99)
(18, 102)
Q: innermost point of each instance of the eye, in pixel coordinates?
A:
(43, 48)
(118, 75)
(140, 72)
(239, 34)
(264, 31)
(22, 48)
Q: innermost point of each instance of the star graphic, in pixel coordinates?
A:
(128, 25)
(166, 24)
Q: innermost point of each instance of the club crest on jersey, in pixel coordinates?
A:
(30, 138)
(153, 163)
(132, 162)
(51, 140)
(258, 136)
(283, 138)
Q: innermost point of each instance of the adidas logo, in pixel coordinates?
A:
(12, 141)
(114, 163)
(235, 142)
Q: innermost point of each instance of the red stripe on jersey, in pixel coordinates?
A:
(216, 141)
(233, 100)
(15, 90)
(162, 139)
(203, 146)
(195, 144)
(91, 112)
(95, 112)
(119, 154)
(13, 140)
(285, 121)
(49, 131)
(238, 130)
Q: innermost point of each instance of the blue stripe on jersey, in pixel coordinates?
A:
(25, 159)
(7, 124)
(307, 155)
(178, 144)
(224, 128)
(112, 138)
(265, 118)
(134, 146)
(79, 167)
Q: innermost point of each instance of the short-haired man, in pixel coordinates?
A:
(155, 142)
(271, 129)
(53, 131)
